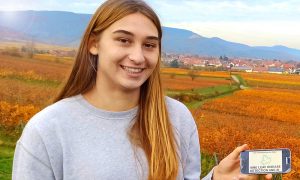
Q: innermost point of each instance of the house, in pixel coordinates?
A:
(242, 68)
(214, 63)
(275, 70)
(297, 71)
(288, 68)
(260, 69)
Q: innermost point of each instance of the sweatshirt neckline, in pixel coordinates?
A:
(104, 113)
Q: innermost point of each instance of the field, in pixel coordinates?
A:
(265, 115)
(258, 117)
(183, 82)
(280, 81)
(26, 86)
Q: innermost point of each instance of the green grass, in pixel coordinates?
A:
(206, 91)
(6, 160)
(220, 89)
(197, 104)
(7, 146)
(196, 76)
(242, 81)
(207, 163)
(206, 94)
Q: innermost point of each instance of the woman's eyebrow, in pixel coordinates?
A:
(131, 34)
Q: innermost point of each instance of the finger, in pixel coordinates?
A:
(268, 176)
(236, 152)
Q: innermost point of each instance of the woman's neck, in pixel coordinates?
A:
(112, 100)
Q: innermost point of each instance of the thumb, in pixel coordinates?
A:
(237, 151)
(268, 176)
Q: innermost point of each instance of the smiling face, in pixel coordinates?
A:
(128, 52)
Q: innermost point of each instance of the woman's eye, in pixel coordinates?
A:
(150, 45)
(124, 41)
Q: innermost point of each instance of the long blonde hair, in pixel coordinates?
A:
(152, 130)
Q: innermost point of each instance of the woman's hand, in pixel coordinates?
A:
(229, 167)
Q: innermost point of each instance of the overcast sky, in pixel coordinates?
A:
(252, 22)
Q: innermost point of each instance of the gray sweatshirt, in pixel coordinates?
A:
(72, 139)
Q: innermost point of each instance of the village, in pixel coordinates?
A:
(233, 64)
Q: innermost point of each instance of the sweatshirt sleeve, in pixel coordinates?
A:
(31, 159)
(192, 169)
(28, 167)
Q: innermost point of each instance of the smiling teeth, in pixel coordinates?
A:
(132, 70)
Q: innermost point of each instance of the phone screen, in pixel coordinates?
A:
(265, 161)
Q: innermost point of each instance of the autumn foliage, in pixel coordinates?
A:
(27, 86)
(178, 71)
(282, 81)
(261, 118)
(186, 83)
(13, 117)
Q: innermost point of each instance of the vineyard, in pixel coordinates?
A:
(26, 87)
(180, 82)
(177, 71)
(264, 116)
(261, 118)
(281, 81)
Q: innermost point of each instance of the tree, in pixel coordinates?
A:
(29, 48)
(172, 75)
(192, 74)
(174, 63)
(225, 58)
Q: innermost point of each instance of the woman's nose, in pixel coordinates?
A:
(136, 55)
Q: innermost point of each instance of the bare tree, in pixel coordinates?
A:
(192, 74)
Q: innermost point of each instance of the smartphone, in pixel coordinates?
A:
(265, 161)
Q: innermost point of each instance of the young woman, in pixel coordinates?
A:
(112, 120)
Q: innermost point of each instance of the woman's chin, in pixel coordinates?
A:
(131, 87)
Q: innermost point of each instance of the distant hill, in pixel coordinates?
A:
(12, 35)
(184, 41)
(66, 29)
(54, 27)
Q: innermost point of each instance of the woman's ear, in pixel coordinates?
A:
(94, 49)
(93, 45)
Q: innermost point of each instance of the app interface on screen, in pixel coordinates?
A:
(265, 161)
